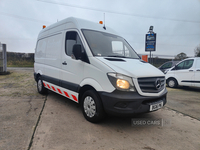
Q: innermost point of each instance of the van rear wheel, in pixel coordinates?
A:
(40, 86)
(92, 107)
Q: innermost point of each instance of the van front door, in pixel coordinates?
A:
(72, 70)
(185, 72)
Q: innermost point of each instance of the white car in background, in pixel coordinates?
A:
(185, 73)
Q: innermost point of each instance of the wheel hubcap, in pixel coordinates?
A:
(40, 85)
(89, 106)
(171, 83)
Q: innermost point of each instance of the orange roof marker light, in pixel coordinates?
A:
(100, 22)
(43, 27)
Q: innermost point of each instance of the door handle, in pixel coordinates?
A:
(191, 70)
(64, 63)
(198, 69)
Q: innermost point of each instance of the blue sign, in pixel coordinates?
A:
(150, 42)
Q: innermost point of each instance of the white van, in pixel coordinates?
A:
(185, 73)
(92, 65)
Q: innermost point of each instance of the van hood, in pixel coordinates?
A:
(131, 67)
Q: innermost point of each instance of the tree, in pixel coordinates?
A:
(197, 51)
(181, 56)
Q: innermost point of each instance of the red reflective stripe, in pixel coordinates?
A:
(66, 94)
(48, 86)
(44, 84)
(74, 97)
(59, 91)
(53, 88)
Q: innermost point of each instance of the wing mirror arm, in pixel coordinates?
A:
(175, 67)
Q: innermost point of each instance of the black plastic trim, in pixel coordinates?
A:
(64, 84)
(69, 85)
(190, 81)
(122, 103)
(115, 59)
(51, 80)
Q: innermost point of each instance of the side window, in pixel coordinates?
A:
(180, 66)
(72, 38)
(167, 65)
(185, 64)
(188, 64)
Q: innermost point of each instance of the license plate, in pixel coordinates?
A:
(156, 106)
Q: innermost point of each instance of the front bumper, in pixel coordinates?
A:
(129, 103)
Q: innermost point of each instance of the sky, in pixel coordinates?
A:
(176, 22)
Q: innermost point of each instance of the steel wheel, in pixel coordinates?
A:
(89, 106)
(92, 107)
(172, 83)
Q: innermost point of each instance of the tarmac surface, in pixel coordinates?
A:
(20, 108)
(32, 121)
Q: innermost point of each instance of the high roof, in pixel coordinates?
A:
(74, 23)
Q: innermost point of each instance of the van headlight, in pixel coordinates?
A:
(121, 82)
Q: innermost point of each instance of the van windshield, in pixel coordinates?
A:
(108, 45)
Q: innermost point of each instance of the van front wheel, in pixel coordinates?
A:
(172, 83)
(92, 107)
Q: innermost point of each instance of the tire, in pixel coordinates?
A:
(172, 83)
(40, 86)
(92, 107)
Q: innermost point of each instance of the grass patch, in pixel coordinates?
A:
(20, 63)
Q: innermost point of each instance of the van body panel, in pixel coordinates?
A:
(197, 73)
(40, 51)
(132, 67)
(39, 68)
(71, 71)
(91, 82)
(96, 71)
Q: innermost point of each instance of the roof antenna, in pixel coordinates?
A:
(104, 22)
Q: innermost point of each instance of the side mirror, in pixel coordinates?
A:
(174, 68)
(77, 51)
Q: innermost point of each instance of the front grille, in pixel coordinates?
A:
(152, 84)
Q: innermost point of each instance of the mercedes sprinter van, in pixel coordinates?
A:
(94, 66)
